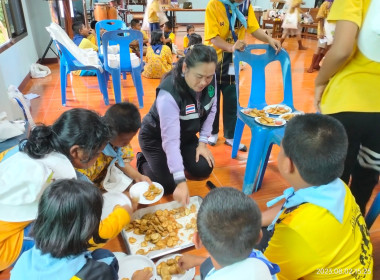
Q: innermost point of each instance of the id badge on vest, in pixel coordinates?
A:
(231, 69)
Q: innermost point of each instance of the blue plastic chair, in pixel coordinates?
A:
(109, 25)
(373, 212)
(69, 63)
(123, 38)
(263, 137)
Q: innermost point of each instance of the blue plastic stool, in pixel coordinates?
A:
(262, 137)
(373, 212)
(123, 38)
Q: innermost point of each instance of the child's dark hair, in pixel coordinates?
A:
(77, 126)
(69, 214)
(169, 25)
(155, 38)
(77, 26)
(317, 144)
(197, 54)
(134, 22)
(93, 24)
(188, 27)
(123, 118)
(229, 224)
(194, 39)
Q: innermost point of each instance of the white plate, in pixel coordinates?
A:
(129, 264)
(277, 105)
(111, 199)
(138, 189)
(281, 122)
(287, 114)
(246, 110)
(189, 275)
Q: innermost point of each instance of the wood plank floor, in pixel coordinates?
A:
(84, 93)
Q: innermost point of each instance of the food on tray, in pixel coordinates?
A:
(289, 116)
(161, 228)
(277, 110)
(152, 192)
(266, 121)
(124, 278)
(255, 112)
(169, 267)
(148, 268)
(132, 240)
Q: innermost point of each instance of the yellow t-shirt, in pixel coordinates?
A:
(145, 37)
(185, 41)
(87, 43)
(172, 37)
(310, 243)
(217, 24)
(97, 172)
(355, 87)
(153, 9)
(323, 12)
(157, 65)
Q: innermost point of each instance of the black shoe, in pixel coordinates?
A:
(242, 149)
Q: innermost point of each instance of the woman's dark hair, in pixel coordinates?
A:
(194, 39)
(69, 214)
(123, 118)
(196, 54)
(80, 127)
(155, 38)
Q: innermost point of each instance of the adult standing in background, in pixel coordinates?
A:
(347, 88)
(225, 28)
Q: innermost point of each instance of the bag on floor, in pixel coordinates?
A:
(39, 71)
(290, 20)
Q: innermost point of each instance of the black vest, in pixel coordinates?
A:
(191, 117)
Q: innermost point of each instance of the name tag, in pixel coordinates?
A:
(231, 69)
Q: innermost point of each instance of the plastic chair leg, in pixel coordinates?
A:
(262, 168)
(103, 85)
(116, 81)
(63, 76)
(137, 81)
(124, 75)
(373, 212)
(254, 159)
(239, 127)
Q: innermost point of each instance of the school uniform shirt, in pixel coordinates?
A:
(185, 41)
(145, 36)
(323, 12)
(171, 36)
(217, 24)
(97, 172)
(355, 87)
(158, 61)
(153, 9)
(84, 43)
(309, 242)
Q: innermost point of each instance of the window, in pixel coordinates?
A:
(12, 23)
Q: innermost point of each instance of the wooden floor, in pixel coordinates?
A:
(84, 93)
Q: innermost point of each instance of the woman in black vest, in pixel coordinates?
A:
(185, 105)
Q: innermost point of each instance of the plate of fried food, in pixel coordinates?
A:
(253, 112)
(289, 116)
(268, 121)
(145, 193)
(277, 109)
(128, 265)
(168, 269)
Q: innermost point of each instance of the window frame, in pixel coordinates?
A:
(13, 39)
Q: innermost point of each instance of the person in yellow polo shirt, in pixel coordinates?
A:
(347, 88)
(153, 19)
(221, 15)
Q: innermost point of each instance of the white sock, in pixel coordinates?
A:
(213, 138)
(231, 141)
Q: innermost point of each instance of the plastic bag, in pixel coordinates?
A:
(163, 18)
(39, 71)
(290, 21)
(10, 129)
(116, 180)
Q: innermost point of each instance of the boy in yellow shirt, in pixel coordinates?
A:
(169, 35)
(153, 19)
(190, 30)
(136, 25)
(319, 232)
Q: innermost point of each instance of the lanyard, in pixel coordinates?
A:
(232, 28)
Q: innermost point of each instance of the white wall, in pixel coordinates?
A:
(16, 60)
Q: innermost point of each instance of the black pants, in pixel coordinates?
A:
(229, 110)
(363, 130)
(156, 166)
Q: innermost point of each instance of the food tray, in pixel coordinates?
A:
(185, 239)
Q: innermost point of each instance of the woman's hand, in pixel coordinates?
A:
(142, 274)
(239, 46)
(275, 44)
(181, 194)
(318, 92)
(202, 150)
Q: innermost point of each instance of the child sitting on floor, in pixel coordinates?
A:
(169, 35)
(136, 25)
(125, 120)
(68, 217)
(319, 232)
(190, 30)
(229, 225)
(158, 57)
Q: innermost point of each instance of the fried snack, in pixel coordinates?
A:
(124, 278)
(255, 112)
(152, 192)
(277, 110)
(288, 117)
(148, 268)
(267, 121)
(169, 268)
(161, 228)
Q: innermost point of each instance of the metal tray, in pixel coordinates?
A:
(186, 240)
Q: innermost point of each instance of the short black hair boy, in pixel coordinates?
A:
(123, 117)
